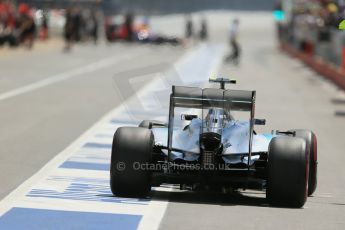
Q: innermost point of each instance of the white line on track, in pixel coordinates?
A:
(24, 188)
(89, 68)
(154, 212)
(186, 69)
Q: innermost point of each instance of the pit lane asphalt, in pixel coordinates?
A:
(289, 95)
(38, 124)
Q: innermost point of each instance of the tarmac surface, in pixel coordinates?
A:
(289, 96)
(38, 124)
(49, 98)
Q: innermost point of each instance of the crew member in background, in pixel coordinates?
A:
(234, 56)
(27, 26)
(44, 32)
(129, 19)
(8, 24)
(69, 29)
(94, 27)
(203, 29)
(189, 27)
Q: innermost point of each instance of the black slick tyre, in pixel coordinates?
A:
(132, 147)
(311, 140)
(287, 172)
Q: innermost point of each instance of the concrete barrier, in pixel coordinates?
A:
(326, 69)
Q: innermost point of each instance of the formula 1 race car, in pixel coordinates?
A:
(116, 30)
(214, 150)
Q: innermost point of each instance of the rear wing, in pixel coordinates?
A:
(193, 97)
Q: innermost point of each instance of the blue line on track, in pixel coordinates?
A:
(83, 189)
(85, 165)
(97, 145)
(37, 219)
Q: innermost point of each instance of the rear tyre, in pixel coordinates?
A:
(131, 148)
(311, 140)
(287, 172)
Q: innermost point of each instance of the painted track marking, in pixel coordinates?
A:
(68, 193)
(89, 68)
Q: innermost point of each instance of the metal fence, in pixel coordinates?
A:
(327, 43)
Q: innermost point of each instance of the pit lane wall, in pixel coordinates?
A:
(323, 51)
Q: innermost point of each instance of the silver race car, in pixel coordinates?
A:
(209, 149)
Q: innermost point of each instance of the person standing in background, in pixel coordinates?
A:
(27, 26)
(8, 24)
(234, 56)
(203, 29)
(189, 27)
(77, 22)
(129, 20)
(69, 29)
(44, 32)
(94, 28)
